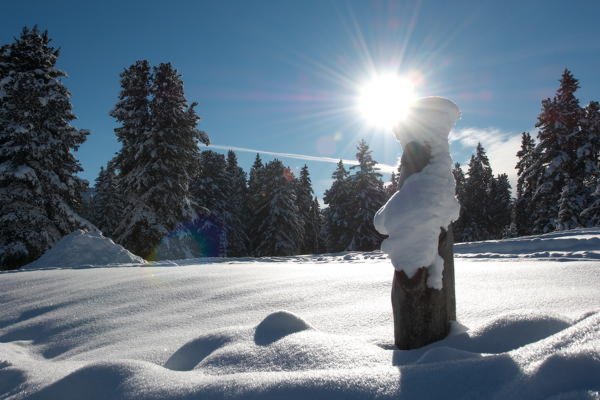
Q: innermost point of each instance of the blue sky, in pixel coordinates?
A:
(282, 76)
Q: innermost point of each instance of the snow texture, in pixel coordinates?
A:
(81, 248)
(528, 329)
(426, 202)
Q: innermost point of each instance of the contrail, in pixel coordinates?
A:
(382, 167)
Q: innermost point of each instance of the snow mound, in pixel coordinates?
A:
(578, 244)
(81, 248)
(278, 325)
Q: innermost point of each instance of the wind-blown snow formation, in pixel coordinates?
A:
(528, 329)
(426, 202)
(83, 248)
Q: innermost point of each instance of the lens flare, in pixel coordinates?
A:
(385, 100)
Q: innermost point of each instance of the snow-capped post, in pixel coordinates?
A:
(417, 221)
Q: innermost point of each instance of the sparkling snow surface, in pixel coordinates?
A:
(316, 327)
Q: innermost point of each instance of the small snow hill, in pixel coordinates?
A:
(81, 249)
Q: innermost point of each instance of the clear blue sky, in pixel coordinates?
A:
(281, 76)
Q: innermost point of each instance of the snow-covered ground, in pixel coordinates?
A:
(303, 327)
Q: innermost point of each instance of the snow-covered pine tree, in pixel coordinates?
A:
(476, 197)
(165, 161)
(108, 200)
(569, 205)
(555, 154)
(308, 219)
(367, 198)
(279, 226)
(237, 208)
(337, 214)
(132, 111)
(458, 225)
(209, 191)
(588, 154)
(39, 189)
(256, 192)
(499, 207)
(523, 214)
(315, 226)
(210, 185)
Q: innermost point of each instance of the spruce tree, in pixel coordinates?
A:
(588, 156)
(165, 152)
(524, 214)
(279, 227)
(476, 197)
(555, 160)
(256, 192)
(569, 206)
(499, 207)
(108, 201)
(337, 214)
(237, 208)
(458, 225)
(308, 218)
(132, 111)
(39, 189)
(367, 198)
(315, 228)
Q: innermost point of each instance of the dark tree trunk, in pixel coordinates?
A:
(422, 315)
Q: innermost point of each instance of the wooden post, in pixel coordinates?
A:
(422, 314)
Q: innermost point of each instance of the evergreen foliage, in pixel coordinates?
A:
(108, 203)
(459, 224)
(237, 208)
(367, 198)
(39, 189)
(555, 154)
(309, 217)
(159, 157)
(280, 229)
(523, 213)
(337, 214)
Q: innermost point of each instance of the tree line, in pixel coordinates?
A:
(160, 196)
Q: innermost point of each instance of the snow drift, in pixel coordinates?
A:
(299, 327)
(82, 248)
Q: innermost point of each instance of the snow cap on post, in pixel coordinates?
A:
(429, 121)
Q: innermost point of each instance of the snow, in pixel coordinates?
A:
(426, 202)
(300, 327)
(582, 244)
(81, 248)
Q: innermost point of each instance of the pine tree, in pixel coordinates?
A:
(256, 193)
(39, 189)
(132, 111)
(368, 197)
(555, 154)
(314, 228)
(237, 209)
(458, 225)
(476, 197)
(337, 214)
(499, 207)
(108, 202)
(279, 226)
(569, 206)
(523, 214)
(588, 156)
(209, 191)
(165, 154)
(308, 218)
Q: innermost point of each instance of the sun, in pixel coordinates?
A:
(385, 100)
